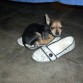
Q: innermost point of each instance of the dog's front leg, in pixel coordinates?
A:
(45, 41)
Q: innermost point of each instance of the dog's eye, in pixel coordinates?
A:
(52, 27)
(60, 27)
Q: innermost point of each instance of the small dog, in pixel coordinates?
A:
(41, 34)
(55, 30)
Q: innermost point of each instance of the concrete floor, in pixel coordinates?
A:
(16, 64)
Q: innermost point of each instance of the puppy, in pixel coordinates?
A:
(55, 30)
(35, 32)
(42, 34)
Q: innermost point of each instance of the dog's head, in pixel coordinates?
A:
(55, 26)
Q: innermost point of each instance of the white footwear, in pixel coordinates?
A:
(54, 50)
(19, 41)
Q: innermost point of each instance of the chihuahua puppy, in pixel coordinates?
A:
(41, 34)
(55, 30)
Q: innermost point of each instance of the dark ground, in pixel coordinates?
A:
(16, 64)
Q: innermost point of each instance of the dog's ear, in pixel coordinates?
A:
(47, 19)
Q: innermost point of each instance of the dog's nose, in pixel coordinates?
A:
(57, 33)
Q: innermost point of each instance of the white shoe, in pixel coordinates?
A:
(54, 50)
(19, 41)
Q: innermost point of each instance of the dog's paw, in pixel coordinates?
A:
(36, 43)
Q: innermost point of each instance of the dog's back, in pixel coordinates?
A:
(29, 35)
